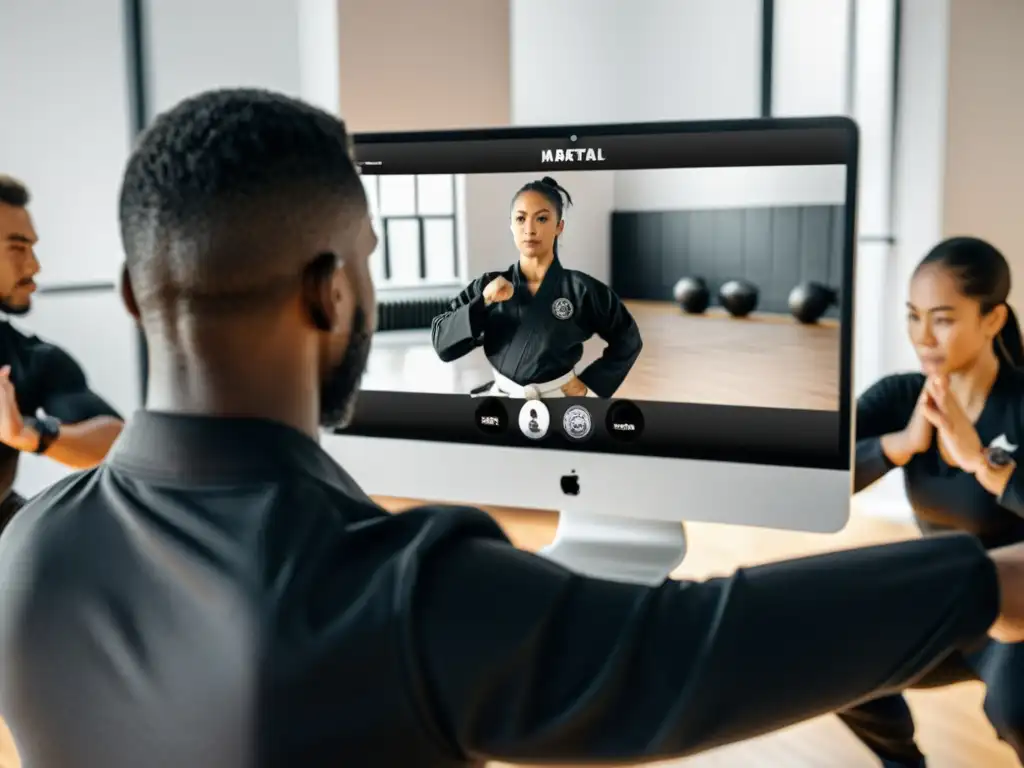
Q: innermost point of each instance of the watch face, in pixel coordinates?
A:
(48, 426)
(999, 457)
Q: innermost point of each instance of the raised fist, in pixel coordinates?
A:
(498, 290)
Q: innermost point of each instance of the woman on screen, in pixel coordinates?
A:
(955, 429)
(533, 318)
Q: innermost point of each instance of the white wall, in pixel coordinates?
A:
(708, 188)
(810, 56)
(290, 46)
(414, 65)
(65, 130)
(319, 69)
(985, 119)
(579, 61)
(585, 243)
(193, 45)
(66, 134)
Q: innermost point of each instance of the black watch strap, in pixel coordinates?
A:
(48, 429)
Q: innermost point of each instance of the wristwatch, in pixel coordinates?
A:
(997, 458)
(48, 429)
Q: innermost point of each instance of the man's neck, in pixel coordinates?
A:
(172, 395)
(240, 377)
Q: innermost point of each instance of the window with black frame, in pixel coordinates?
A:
(416, 222)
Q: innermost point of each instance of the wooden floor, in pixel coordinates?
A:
(769, 361)
(953, 731)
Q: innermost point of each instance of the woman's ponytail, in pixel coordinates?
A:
(1009, 344)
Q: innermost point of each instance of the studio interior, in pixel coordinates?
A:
(733, 273)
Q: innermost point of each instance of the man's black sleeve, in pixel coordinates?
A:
(68, 396)
(518, 659)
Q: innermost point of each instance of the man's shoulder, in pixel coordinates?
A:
(40, 542)
(21, 337)
(436, 523)
(417, 529)
(340, 551)
(39, 353)
(46, 516)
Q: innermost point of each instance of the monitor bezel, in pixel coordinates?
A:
(839, 459)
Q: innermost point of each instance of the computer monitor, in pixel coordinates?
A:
(736, 413)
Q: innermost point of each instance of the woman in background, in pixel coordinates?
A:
(533, 318)
(955, 429)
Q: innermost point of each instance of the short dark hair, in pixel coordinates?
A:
(553, 192)
(213, 173)
(982, 273)
(13, 192)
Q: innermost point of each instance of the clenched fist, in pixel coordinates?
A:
(498, 290)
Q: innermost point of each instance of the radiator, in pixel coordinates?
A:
(409, 314)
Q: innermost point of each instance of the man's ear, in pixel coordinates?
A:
(128, 293)
(319, 293)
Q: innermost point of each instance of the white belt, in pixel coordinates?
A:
(547, 389)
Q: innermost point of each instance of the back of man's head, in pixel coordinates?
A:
(247, 241)
(225, 195)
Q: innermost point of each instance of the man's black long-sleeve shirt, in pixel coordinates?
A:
(220, 594)
(46, 378)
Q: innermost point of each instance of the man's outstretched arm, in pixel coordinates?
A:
(521, 660)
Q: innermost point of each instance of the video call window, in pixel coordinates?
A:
(640, 232)
(709, 297)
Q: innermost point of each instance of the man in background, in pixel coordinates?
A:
(46, 406)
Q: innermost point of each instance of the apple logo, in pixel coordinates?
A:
(570, 484)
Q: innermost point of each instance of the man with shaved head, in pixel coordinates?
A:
(219, 593)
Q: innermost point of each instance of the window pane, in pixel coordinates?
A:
(404, 250)
(873, 112)
(436, 195)
(439, 242)
(397, 195)
(811, 58)
(377, 257)
(370, 185)
(870, 327)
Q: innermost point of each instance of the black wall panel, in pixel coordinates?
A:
(775, 248)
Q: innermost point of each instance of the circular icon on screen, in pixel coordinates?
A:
(625, 422)
(577, 422)
(534, 419)
(491, 416)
